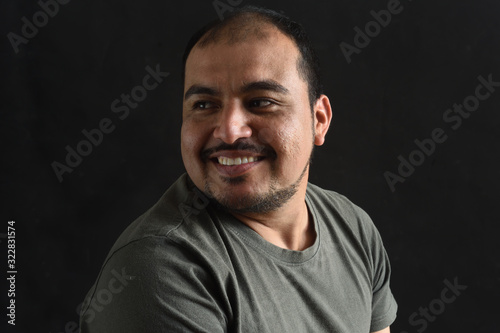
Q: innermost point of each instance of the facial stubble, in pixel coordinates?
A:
(270, 201)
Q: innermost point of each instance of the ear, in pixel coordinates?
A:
(322, 118)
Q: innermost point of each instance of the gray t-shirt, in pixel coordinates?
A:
(186, 266)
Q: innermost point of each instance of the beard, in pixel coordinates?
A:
(267, 202)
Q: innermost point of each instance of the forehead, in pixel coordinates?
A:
(267, 55)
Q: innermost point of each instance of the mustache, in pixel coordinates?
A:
(239, 146)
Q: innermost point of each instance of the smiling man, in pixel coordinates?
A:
(242, 242)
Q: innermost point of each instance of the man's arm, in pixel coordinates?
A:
(385, 330)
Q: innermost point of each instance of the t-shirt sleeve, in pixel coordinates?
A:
(154, 285)
(384, 306)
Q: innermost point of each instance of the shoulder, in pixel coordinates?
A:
(176, 214)
(327, 201)
(173, 250)
(340, 213)
(148, 283)
(176, 232)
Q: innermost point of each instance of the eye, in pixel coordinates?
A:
(204, 105)
(260, 103)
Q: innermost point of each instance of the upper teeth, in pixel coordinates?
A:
(236, 161)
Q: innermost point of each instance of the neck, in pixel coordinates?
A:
(290, 227)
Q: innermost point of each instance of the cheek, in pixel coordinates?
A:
(278, 133)
(292, 137)
(266, 136)
(292, 141)
(191, 141)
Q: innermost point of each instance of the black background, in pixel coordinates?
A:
(439, 224)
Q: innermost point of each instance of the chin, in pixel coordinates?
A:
(231, 191)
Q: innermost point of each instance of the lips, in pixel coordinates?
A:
(236, 159)
(234, 163)
(235, 167)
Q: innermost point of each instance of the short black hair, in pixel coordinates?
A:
(308, 64)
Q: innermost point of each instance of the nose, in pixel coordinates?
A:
(232, 124)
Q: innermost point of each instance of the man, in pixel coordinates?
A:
(243, 243)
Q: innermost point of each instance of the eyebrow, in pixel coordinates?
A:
(269, 85)
(265, 85)
(200, 90)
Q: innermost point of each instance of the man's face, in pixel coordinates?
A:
(247, 132)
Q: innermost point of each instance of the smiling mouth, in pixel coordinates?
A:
(238, 160)
(235, 166)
